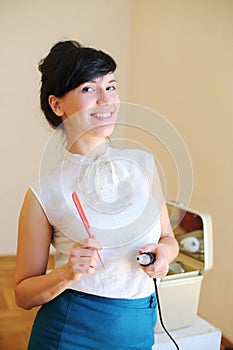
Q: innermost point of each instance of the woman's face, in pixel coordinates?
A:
(91, 108)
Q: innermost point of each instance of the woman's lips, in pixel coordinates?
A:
(102, 115)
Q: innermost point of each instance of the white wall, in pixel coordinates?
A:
(28, 28)
(175, 56)
(182, 66)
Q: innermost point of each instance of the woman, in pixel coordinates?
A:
(85, 305)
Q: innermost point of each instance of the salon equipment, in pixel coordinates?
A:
(146, 259)
(179, 291)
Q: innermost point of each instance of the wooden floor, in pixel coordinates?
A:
(15, 323)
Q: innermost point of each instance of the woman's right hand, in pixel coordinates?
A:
(32, 285)
(83, 258)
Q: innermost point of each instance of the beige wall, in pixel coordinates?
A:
(28, 30)
(182, 66)
(175, 56)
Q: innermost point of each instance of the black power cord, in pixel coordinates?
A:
(160, 316)
(146, 259)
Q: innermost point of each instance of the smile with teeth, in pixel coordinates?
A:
(102, 116)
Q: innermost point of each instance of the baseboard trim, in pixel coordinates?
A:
(226, 342)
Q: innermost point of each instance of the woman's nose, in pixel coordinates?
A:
(103, 97)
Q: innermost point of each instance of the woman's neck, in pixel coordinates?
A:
(89, 148)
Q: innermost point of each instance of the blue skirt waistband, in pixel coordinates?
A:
(138, 303)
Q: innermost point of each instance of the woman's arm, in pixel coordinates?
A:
(32, 285)
(165, 250)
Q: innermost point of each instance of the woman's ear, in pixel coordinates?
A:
(55, 104)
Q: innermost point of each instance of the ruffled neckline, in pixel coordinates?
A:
(82, 159)
(99, 180)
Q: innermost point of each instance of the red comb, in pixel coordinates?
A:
(84, 219)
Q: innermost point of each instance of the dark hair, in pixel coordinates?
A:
(68, 65)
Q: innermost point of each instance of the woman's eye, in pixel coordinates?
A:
(88, 89)
(111, 88)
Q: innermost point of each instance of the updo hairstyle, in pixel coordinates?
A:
(68, 65)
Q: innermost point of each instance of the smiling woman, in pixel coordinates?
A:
(88, 111)
(84, 305)
(68, 66)
(79, 84)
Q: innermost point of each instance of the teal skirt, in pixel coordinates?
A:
(79, 321)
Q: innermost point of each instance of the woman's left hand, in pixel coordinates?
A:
(160, 267)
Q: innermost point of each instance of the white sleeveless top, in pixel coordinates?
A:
(116, 194)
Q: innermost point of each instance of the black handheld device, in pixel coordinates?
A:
(146, 259)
